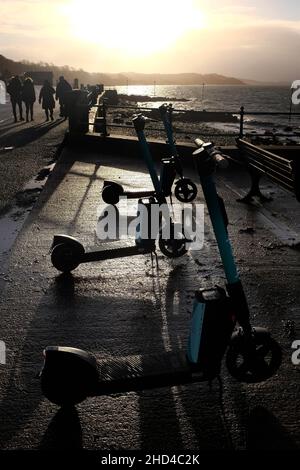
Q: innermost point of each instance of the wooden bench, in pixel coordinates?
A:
(283, 171)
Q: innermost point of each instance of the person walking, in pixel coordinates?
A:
(47, 99)
(14, 89)
(28, 96)
(62, 90)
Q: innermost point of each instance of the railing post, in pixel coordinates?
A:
(242, 113)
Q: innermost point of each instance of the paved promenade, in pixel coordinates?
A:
(128, 307)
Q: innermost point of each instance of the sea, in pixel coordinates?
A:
(230, 98)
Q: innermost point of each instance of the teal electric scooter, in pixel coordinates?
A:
(67, 253)
(185, 189)
(70, 375)
(162, 183)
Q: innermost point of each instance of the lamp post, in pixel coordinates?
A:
(203, 86)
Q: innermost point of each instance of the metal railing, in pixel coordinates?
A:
(241, 115)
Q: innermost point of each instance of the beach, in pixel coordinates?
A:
(205, 112)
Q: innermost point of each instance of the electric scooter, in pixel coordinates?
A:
(70, 375)
(185, 189)
(112, 192)
(175, 245)
(67, 253)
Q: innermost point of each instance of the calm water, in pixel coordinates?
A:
(228, 98)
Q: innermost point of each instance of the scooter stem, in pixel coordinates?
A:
(165, 112)
(235, 288)
(148, 159)
(221, 234)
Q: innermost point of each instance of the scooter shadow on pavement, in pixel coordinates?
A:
(66, 314)
(265, 432)
(160, 419)
(64, 431)
(185, 416)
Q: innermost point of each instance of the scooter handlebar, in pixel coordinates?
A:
(220, 159)
(199, 142)
(163, 109)
(139, 121)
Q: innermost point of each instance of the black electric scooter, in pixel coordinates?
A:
(185, 189)
(70, 375)
(112, 192)
(175, 245)
(67, 252)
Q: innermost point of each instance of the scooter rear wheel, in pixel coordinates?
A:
(111, 194)
(253, 360)
(66, 257)
(68, 375)
(185, 190)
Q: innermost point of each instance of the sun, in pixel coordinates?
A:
(134, 27)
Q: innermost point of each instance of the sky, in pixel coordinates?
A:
(254, 39)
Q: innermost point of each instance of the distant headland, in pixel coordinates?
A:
(10, 67)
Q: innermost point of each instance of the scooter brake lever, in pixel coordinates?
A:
(198, 151)
(142, 117)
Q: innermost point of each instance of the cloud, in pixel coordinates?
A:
(238, 40)
(264, 52)
(31, 18)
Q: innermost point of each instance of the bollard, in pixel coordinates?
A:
(100, 124)
(78, 110)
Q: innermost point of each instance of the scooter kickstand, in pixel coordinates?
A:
(156, 259)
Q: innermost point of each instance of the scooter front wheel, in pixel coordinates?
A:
(185, 190)
(65, 257)
(172, 247)
(253, 359)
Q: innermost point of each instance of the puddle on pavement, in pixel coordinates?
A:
(6, 149)
(12, 222)
(10, 225)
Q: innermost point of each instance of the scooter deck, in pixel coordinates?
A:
(120, 252)
(134, 373)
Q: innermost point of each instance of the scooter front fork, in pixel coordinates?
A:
(240, 306)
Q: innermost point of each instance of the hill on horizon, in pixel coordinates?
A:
(10, 67)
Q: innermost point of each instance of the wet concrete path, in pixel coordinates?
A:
(128, 307)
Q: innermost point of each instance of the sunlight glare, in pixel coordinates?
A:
(133, 26)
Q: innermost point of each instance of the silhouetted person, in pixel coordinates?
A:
(62, 90)
(14, 88)
(47, 99)
(28, 96)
